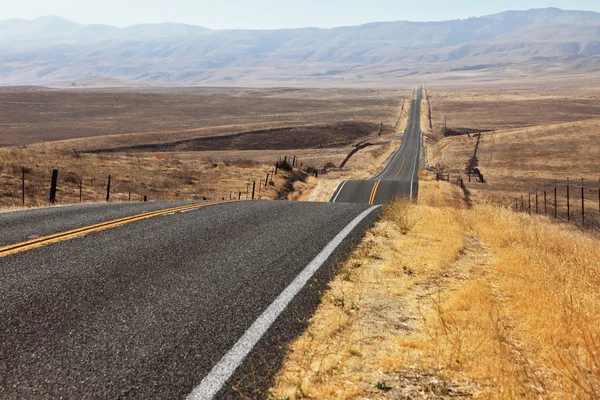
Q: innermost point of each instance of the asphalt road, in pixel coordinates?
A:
(399, 178)
(165, 307)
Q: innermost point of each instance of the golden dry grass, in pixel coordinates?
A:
(469, 302)
(159, 176)
(559, 140)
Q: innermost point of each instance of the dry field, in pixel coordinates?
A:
(536, 141)
(123, 117)
(446, 301)
(187, 143)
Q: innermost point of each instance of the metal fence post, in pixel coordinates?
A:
(555, 202)
(582, 203)
(568, 202)
(253, 189)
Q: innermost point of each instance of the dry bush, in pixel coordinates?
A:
(401, 212)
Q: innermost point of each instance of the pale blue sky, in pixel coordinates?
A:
(268, 14)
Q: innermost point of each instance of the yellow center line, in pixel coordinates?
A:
(400, 170)
(59, 237)
(374, 192)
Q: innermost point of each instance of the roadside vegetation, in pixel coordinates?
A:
(442, 300)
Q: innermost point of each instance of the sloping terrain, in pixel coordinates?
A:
(120, 118)
(297, 137)
(512, 44)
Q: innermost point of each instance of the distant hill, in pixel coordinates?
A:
(541, 41)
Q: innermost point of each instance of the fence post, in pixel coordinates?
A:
(582, 203)
(522, 203)
(239, 195)
(294, 162)
(555, 203)
(247, 189)
(276, 168)
(267, 180)
(145, 199)
(129, 195)
(545, 203)
(23, 186)
(568, 202)
(536, 202)
(253, 189)
(108, 190)
(81, 191)
(53, 186)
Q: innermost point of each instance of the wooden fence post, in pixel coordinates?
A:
(53, 186)
(23, 186)
(108, 190)
(253, 189)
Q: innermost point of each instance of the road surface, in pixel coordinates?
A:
(127, 301)
(173, 300)
(399, 178)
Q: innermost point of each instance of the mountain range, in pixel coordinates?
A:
(53, 50)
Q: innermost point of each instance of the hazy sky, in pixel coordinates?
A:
(267, 14)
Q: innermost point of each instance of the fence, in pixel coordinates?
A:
(25, 186)
(577, 202)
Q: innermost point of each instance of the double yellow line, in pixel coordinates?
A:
(59, 237)
(374, 192)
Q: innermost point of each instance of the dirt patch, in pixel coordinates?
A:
(296, 137)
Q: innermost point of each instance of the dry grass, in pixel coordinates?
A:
(159, 176)
(479, 302)
(125, 117)
(539, 141)
(345, 353)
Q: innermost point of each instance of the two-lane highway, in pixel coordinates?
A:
(399, 178)
(135, 302)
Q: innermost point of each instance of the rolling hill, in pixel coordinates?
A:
(548, 42)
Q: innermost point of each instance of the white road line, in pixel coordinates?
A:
(222, 371)
(339, 191)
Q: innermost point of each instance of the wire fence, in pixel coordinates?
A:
(573, 201)
(26, 186)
